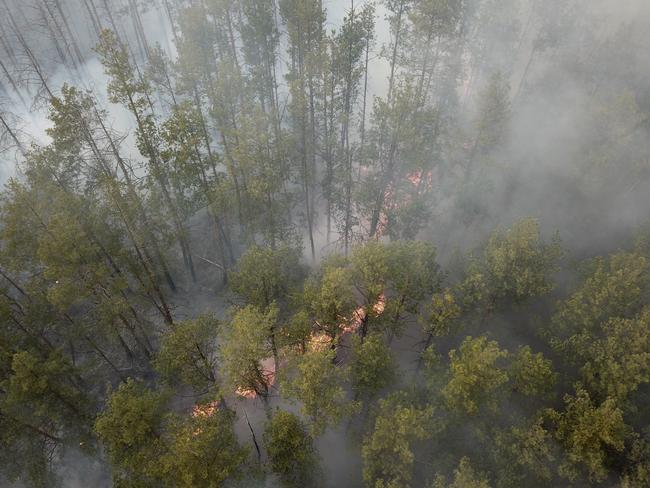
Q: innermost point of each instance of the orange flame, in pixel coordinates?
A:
(206, 409)
(359, 315)
(319, 341)
(268, 372)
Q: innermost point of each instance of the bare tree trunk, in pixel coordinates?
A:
(143, 215)
(385, 180)
(33, 61)
(71, 36)
(54, 32)
(12, 82)
(94, 18)
(13, 136)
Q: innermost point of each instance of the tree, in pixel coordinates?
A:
(188, 353)
(245, 345)
(525, 453)
(290, 449)
(464, 477)
(369, 265)
(132, 90)
(148, 446)
(372, 366)
(531, 373)
(264, 275)
(131, 429)
(588, 432)
(518, 263)
(413, 275)
(304, 20)
(618, 359)
(441, 315)
(43, 410)
(475, 377)
(202, 450)
(317, 383)
(328, 299)
(611, 287)
(343, 84)
(387, 450)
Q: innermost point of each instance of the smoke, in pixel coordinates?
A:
(574, 150)
(574, 153)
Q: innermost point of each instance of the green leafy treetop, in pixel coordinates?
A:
(518, 263)
(373, 367)
(525, 454)
(531, 373)
(464, 477)
(150, 447)
(290, 450)
(246, 344)
(188, 353)
(131, 429)
(328, 298)
(387, 449)
(265, 275)
(615, 286)
(318, 383)
(476, 378)
(588, 432)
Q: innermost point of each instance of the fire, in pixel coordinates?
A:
(380, 306)
(359, 315)
(419, 178)
(422, 181)
(267, 367)
(319, 341)
(206, 409)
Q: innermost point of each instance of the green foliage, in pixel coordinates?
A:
(442, 314)
(612, 287)
(42, 410)
(329, 298)
(588, 432)
(372, 367)
(525, 453)
(290, 449)
(518, 263)
(387, 449)
(131, 429)
(475, 377)
(413, 275)
(464, 477)
(44, 392)
(242, 148)
(148, 446)
(619, 360)
(318, 383)
(370, 267)
(245, 345)
(188, 353)
(531, 373)
(202, 451)
(266, 275)
(399, 274)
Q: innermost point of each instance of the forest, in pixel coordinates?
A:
(312, 243)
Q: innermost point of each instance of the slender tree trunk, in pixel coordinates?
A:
(13, 136)
(73, 41)
(387, 170)
(133, 192)
(92, 15)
